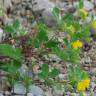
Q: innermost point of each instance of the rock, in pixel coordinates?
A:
(54, 58)
(62, 35)
(24, 70)
(23, 11)
(1, 34)
(61, 5)
(88, 5)
(35, 90)
(7, 3)
(48, 93)
(75, 94)
(95, 2)
(42, 10)
(39, 5)
(16, 1)
(58, 92)
(93, 71)
(46, 14)
(48, 18)
(30, 94)
(93, 84)
(19, 89)
(88, 19)
(1, 94)
(7, 93)
(7, 21)
(62, 77)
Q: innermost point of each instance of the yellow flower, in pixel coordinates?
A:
(82, 85)
(72, 29)
(86, 82)
(94, 24)
(77, 44)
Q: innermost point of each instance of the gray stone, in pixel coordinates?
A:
(30, 94)
(19, 89)
(48, 18)
(1, 34)
(7, 3)
(7, 21)
(75, 94)
(61, 5)
(88, 5)
(53, 57)
(62, 76)
(40, 5)
(48, 93)
(35, 90)
(16, 1)
(93, 84)
(24, 70)
(93, 72)
(1, 94)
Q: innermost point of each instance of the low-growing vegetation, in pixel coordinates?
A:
(45, 40)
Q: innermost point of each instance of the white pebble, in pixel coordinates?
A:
(29, 94)
(88, 5)
(1, 34)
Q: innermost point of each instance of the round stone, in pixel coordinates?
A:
(19, 89)
(35, 90)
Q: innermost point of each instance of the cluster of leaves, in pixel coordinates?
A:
(14, 54)
(75, 75)
(78, 32)
(15, 29)
(48, 75)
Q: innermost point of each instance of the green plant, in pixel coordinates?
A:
(15, 29)
(46, 41)
(48, 75)
(73, 42)
(11, 67)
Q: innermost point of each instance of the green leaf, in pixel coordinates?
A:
(51, 44)
(9, 29)
(11, 67)
(42, 36)
(45, 69)
(16, 24)
(55, 72)
(74, 56)
(81, 94)
(15, 29)
(76, 74)
(85, 34)
(81, 4)
(8, 50)
(56, 12)
(60, 53)
(42, 76)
